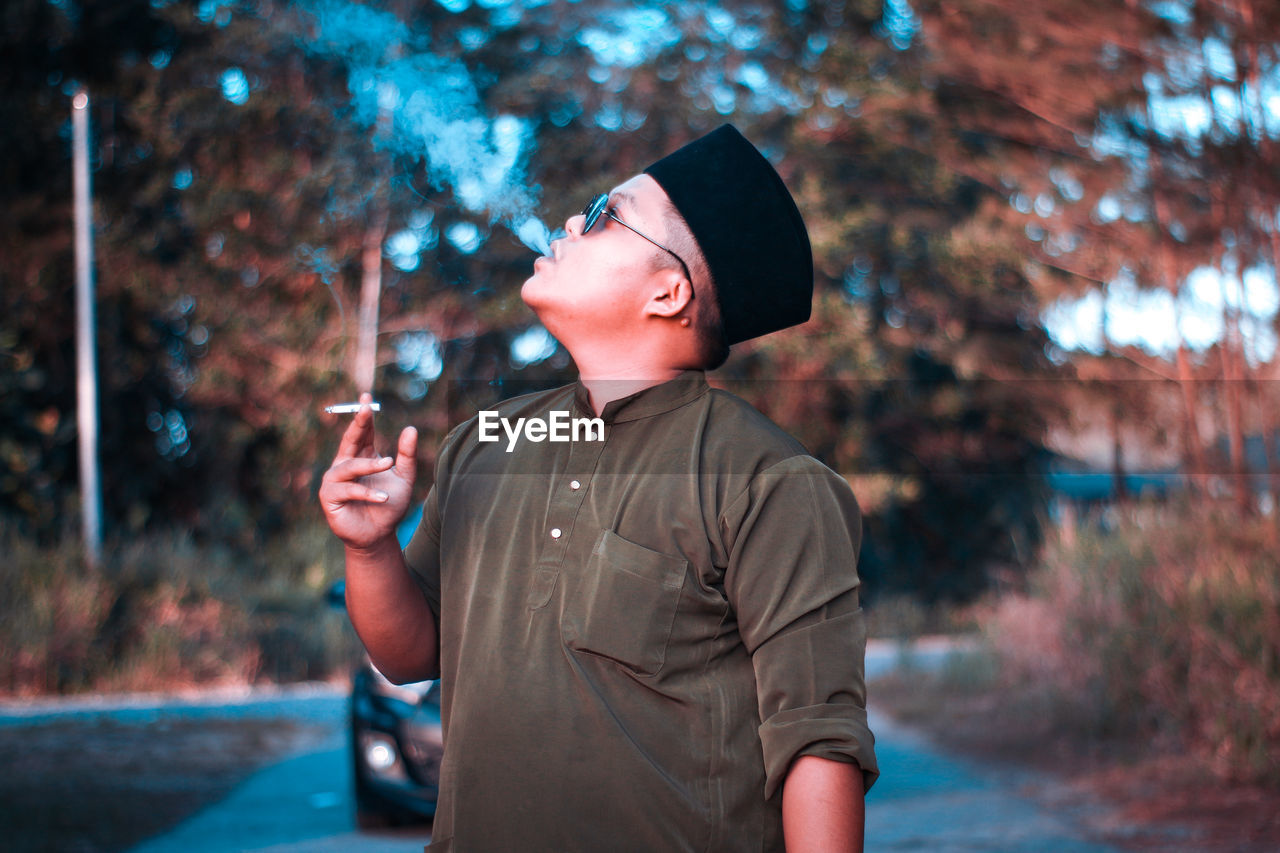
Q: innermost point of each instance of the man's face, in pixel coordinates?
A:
(597, 282)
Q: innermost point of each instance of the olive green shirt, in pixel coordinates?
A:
(638, 635)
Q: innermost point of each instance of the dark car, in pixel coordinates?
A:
(396, 746)
(396, 738)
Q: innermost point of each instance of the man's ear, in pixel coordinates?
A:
(670, 293)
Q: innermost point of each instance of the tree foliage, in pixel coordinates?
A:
(946, 157)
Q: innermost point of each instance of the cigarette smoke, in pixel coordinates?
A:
(427, 107)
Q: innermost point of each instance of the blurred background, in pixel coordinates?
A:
(1043, 347)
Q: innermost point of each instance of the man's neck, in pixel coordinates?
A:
(605, 387)
(613, 366)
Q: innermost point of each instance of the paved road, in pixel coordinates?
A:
(924, 801)
(301, 805)
(927, 801)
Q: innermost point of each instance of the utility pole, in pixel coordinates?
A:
(86, 358)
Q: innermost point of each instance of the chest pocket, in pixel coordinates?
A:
(627, 604)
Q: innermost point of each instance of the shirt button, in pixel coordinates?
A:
(555, 533)
(575, 485)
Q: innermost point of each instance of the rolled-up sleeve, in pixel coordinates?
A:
(793, 538)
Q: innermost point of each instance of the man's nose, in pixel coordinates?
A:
(573, 225)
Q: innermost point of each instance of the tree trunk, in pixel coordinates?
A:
(1193, 454)
(370, 295)
(1266, 411)
(1232, 381)
(1117, 415)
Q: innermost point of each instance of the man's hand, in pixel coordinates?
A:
(823, 807)
(364, 495)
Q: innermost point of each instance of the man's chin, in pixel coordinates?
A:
(528, 291)
(534, 295)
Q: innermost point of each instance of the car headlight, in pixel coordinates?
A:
(379, 753)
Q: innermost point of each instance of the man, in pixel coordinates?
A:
(650, 641)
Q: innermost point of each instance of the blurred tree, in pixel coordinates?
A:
(241, 164)
(1137, 146)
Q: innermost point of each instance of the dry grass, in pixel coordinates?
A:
(1128, 792)
(1169, 626)
(1140, 668)
(166, 612)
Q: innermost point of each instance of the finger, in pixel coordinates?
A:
(407, 454)
(361, 466)
(366, 417)
(357, 440)
(343, 493)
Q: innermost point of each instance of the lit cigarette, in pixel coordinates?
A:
(350, 408)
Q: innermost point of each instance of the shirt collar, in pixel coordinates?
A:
(647, 402)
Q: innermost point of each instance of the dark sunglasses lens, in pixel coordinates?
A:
(592, 211)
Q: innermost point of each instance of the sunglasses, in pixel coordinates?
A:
(599, 206)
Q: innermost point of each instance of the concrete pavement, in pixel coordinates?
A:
(928, 801)
(925, 800)
(301, 805)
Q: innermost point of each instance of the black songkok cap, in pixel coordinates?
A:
(747, 227)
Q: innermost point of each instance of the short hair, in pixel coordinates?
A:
(708, 323)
